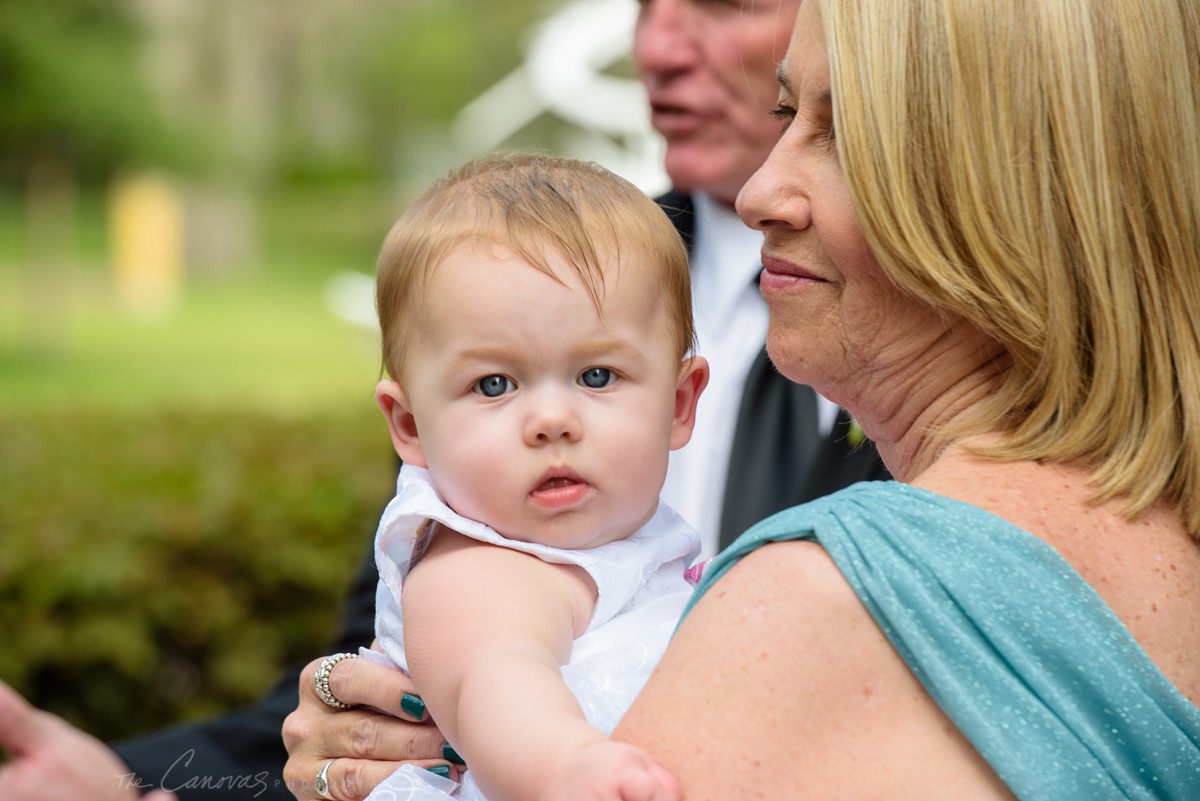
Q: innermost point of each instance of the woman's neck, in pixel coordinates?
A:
(909, 410)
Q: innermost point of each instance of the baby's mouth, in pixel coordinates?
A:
(556, 483)
(560, 488)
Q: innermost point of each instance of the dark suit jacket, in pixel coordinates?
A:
(241, 756)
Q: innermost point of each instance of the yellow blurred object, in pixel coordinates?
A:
(146, 219)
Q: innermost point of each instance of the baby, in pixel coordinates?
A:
(537, 324)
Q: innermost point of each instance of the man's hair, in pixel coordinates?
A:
(1034, 167)
(532, 204)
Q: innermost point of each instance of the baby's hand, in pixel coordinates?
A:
(610, 771)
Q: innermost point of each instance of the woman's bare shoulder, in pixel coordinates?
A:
(780, 684)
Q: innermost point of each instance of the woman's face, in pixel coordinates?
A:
(835, 316)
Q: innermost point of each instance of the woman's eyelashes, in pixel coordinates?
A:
(787, 115)
(784, 114)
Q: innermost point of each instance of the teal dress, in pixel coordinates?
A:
(1014, 646)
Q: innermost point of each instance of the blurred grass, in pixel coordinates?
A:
(183, 500)
(261, 342)
(255, 336)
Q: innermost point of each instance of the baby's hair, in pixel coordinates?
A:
(534, 205)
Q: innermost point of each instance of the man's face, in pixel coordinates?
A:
(709, 71)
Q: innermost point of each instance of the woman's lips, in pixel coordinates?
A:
(780, 274)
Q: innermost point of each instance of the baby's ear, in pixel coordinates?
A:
(403, 426)
(693, 378)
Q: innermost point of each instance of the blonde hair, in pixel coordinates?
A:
(1034, 167)
(529, 203)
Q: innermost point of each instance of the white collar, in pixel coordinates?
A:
(726, 259)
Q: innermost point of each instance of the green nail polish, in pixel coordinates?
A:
(413, 705)
(441, 770)
(450, 755)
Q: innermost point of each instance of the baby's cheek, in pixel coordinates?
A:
(461, 487)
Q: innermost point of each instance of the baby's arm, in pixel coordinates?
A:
(486, 631)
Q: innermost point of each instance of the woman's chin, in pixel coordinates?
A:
(790, 360)
(799, 361)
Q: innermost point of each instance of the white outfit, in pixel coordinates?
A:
(641, 593)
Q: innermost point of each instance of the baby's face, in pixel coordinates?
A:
(536, 415)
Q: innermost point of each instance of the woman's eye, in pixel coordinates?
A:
(596, 377)
(783, 114)
(493, 386)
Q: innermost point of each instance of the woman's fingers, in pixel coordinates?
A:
(362, 745)
(366, 734)
(354, 779)
(360, 682)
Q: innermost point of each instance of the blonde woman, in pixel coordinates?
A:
(981, 237)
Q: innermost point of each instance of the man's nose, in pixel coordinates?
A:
(662, 40)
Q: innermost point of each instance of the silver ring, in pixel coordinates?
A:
(322, 782)
(321, 680)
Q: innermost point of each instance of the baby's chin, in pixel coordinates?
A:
(590, 525)
(565, 538)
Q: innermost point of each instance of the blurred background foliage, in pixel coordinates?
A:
(191, 463)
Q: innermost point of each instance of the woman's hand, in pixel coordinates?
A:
(386, 726)
(51, 760)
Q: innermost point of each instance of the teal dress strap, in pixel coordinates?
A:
(1010, 641)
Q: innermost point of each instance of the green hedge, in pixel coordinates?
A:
(162, 568)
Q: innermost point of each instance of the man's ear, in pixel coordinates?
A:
(403, 426)
(693, 378)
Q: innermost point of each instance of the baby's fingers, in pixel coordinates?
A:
(649, 783)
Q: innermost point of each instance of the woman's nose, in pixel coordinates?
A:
(774, 197)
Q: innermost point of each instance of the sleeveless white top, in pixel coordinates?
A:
(641, 594)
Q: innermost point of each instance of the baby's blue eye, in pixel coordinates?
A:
(596, 377)
(493, 386)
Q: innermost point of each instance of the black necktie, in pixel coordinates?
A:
(776, 443)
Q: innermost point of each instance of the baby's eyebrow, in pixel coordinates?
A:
(600, 348)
